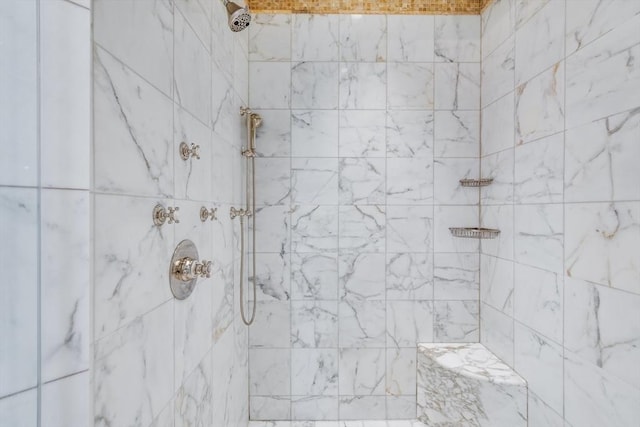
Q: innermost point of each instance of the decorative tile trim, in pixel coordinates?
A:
(397, 7)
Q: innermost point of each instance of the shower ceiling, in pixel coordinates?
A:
(409, 7)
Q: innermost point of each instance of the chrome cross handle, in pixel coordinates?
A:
(186, 151)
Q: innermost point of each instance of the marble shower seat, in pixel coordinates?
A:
(465, 385)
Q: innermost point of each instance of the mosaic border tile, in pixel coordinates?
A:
(396, 7)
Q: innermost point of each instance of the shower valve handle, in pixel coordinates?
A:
(187, 269)
(186, 151)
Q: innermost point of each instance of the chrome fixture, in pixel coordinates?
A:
(161, 215)
(186, 269)
(253, 122)
(205, 214)
(474, 232)
(482, 182)
(239, 17)
(186, 152)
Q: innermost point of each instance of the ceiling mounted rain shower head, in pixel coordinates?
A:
(239, 17)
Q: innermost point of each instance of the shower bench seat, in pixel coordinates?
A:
(465, 385)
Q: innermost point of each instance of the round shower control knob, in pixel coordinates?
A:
(186, 269)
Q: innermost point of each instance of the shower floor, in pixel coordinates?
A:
(372, 423)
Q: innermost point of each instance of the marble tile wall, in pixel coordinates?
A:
(363, 116)
(45, 213)
(560, 136)
(164, 72)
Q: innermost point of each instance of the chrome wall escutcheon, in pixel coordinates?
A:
(186, 151)
(185, 269)
(161, 215)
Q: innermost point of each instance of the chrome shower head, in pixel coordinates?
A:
(239, 17)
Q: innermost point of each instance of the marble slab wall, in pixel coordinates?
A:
(44, 213)
(369, 123)
(560, 136)
(164, 72)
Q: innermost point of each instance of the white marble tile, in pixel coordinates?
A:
(593, 398)
(225, 120)
(362, 181)
(314, 229)
(359, 407)
(601, 76)
(272, 228)
(65, 70)
(314, 324)
(457, 133)
(457, 86)
(192, 71)
(597, 238)
(314, 408)
(401, 372)
(362, 371)
(401, 411)
(540, 361)
(19, 121)
(273, 329)
(541, 415)
(602, 327)
(198, 14)
(448, 173)
(223, 40)
(193, 400)
(525, 9)
(362, 133)
(540, 42)
(361, 323)
(314, 372)
(456, 276)
(410, 86)
(273, 181)
(316, 37)
(498, 217)
(20, 410)
(273, 138)
(410, 134)
(133, 131)
(409, 182)
(269, 372)
(228, 369)
(314, 133)
(456, 321)
(496, 332)
(497, 25)
(363, 86)
(539, 171)
(192, 177)
(500, 167)
(269, 408)
(363, 38)
(498, 125)
(362, 228)
(538, 301)
(66, 402)
(314, 85)
(65, 318)
(128, 271)
(273, 276)
(498, 71)
(143, 39)
(409, 276)
(270, 84)
(539, 236)
(139, 355)
(454, 216)
(409, 323)
(588, 20)
(270, 37)
(410, 38)
(314, 276)
(601, 159)
(361, 276)
(540, 105)
(497, 284)
(457, 38)
(409, 229)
